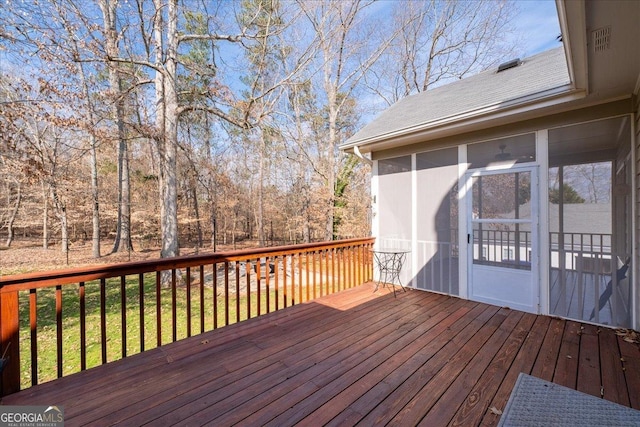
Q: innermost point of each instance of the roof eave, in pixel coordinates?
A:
(572, 20)
(469, 121)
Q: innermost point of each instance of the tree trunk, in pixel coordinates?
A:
(13, 215)
(45, 217)
(166, 125)
(261, 167)
(196, 211)
(122, 242)
(95, 217)
(331, 164)
(61, 213)
(306, 226)
(64, 230)
(212, 215)
(93, 161)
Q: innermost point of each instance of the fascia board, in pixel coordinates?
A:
(573, 26)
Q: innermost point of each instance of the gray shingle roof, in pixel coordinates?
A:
(539, 73)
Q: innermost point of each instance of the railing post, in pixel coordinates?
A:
(9, 342)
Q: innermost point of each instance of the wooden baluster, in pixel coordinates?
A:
(123, 313)
(226, 293)
(276, 278)
(33, 325)
(247, 270)
(202, 309)
(214, 277)
(306, 268)
(237, 291)
(103, 319)
(174, 303)
(338, 275)
(284, 279)
(348, 253)
(10, 341)
(356, 265)
(188, 291)
(293, 280)
(328, 273)
(141, 309)
(313, 273)
(368, 264)
(334, 255)
(341, 270)
(59, 329)
(359, 265)
(350, 268)
(349, 261)
(83, 326)
(267, 267)
(323, 280)
(259, 284)
(158, 308)
(300, 278)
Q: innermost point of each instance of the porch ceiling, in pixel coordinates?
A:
(602, 136)
(355, 356)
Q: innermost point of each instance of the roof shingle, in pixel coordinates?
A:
(539, 73)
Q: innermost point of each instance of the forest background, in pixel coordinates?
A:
(167, 127)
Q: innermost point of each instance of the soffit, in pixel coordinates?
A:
(612, 36)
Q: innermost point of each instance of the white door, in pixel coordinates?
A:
(503, 238)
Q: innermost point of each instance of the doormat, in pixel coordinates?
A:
(539, 403)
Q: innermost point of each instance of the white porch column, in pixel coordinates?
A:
(463, 246)
(414, 220)
(375, 217)
(542, 158)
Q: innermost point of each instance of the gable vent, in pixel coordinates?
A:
(602, 39)
(510, 64)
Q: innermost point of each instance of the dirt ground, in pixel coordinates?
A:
(29, 256)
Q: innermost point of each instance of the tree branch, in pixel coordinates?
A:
(243, 124)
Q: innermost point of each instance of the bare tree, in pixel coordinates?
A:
(347, 50)
(441, 41)
(167, 37)
(12, 186)
(10, 161)
(122, 241)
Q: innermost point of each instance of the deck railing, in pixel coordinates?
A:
(59, 322)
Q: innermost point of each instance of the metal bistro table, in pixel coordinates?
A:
(389, 263)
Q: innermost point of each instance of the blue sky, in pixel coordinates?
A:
(538, 25)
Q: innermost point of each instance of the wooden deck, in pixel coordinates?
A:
(356, 357)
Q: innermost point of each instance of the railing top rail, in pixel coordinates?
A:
(87, 273)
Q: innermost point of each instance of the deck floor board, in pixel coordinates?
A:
(523, 361)
(356, 357)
